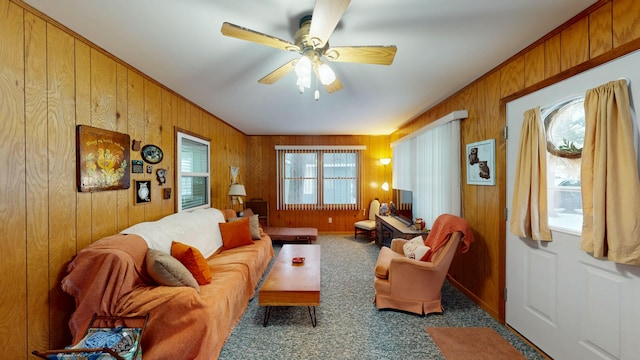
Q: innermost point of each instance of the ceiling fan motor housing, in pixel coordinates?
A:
(304, 41)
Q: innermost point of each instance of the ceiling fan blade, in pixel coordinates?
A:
(325, 18)
(239, 32)
(278, 73)
(380, 55)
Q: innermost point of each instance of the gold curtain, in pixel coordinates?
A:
(529, 206)
(609, 173)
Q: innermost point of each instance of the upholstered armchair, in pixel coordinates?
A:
(368, 226)
(415, 284)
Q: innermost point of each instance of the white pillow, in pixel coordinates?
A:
(415, 248)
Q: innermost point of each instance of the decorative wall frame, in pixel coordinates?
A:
(481, 163)
(102, 159)
(137, 166)
(143, 192)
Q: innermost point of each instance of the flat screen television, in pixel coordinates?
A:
(403, 203)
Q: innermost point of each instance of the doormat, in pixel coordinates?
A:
(472, 343)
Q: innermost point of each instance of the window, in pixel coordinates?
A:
(193, 172)
(564, 128)
(318, 177)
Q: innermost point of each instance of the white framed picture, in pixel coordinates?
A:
(481, 162)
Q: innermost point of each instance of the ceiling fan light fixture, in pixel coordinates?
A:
(311, 40)
(303, 70)
(326, 74)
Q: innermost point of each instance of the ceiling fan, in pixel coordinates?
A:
(312, 42)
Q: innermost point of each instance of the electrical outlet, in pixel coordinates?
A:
(330, 220)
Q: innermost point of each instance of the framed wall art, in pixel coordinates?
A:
(481, 163)
(137, 166)
(143, 191)
(102, 158)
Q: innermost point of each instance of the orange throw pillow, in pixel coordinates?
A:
(235, 234)
(193, 260)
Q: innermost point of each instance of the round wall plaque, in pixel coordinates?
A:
(151, 154)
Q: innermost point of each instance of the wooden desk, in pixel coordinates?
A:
(388, 228)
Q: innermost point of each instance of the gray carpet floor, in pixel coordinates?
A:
(349, 325)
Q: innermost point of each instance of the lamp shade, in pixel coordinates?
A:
(237, 190)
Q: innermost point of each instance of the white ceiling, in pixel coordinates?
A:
(443, 45)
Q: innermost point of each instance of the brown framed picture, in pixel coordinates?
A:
(481, 168)
(102, 159)
(143, 192)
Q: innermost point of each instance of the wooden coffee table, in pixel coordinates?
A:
(290, 284)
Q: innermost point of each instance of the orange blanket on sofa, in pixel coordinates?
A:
(109, 278)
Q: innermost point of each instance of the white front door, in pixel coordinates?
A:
(567, 303)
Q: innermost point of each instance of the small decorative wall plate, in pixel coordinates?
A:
(151, 154)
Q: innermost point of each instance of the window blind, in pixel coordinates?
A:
(319, 177)
(193, 172)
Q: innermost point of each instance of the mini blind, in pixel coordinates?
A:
(319, 177)
(193, 172)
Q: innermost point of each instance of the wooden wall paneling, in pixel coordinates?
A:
(600, 31)
(552, 52)
(104, 218)
(255, 172)
(62, 175)
(222, 178)
(473, 195)
(208, 130)
(37, 185)
(534, 65)
(83, 117)
(13, 287)
(223, 175)
(512, 77)
(153, 135)
(196, 120)
(240, 146)
(493, 220)
(575, 44)
(169, 116)
(182, 114)
(122, 126)
(135, 111)
(217, 159)
(626, 22)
